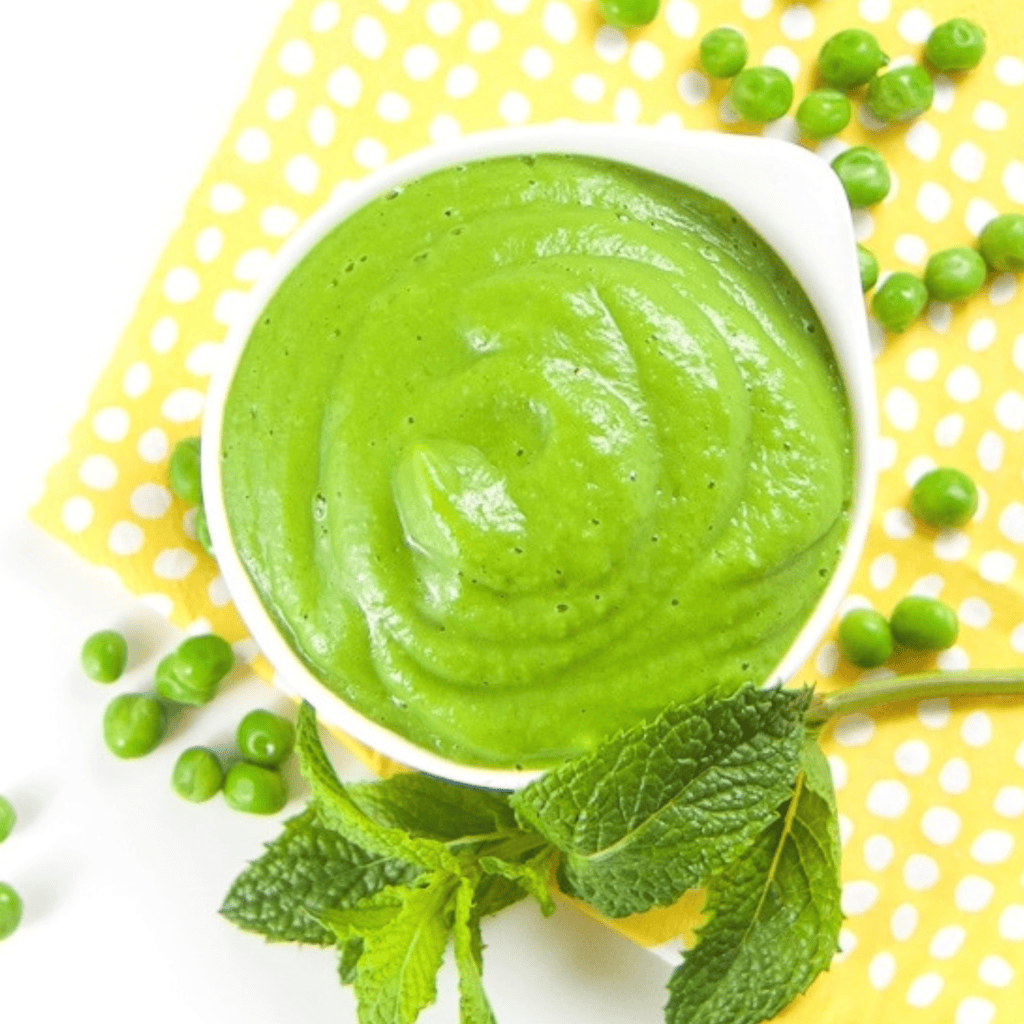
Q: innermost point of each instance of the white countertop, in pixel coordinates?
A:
(110, 111)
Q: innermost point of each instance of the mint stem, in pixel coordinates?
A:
(920, 686)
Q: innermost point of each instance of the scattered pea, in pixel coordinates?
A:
(924, 624)
(850, 58)
(723, 52)
(953, 275)
(865, 638)
(104, 656)
(628, 13)
(191, 674)
(823, 112)
(955, 45)
(863, 174)
(265, 738)
(8, 817)
(761, 94)
(183, 471)
(868, 267)
(1002, 243)
(899, 301)
(203, 530)
(197, 775)
(10, 911)
(900, 94)
(255, 789)
(944, 498)
(134, 724)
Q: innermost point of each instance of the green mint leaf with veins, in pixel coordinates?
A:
(474, 1007)
(493, 893)
(432, 808)
(773, 916)
(663, 807)
(404, 931)
(524, 860)
(307, 868)
(339, 811)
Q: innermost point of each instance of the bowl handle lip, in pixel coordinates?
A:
(720, 164)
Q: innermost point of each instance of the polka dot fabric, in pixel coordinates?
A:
(932, 800)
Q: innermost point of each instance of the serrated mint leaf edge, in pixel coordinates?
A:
(338, 811)
(607, 879)
(814, 782)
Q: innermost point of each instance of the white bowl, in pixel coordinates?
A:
(789, 196)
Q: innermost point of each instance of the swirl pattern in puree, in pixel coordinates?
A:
(532, 446)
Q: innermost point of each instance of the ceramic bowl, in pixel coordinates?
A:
(788, 195)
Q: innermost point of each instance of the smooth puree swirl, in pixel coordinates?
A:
(531, 447)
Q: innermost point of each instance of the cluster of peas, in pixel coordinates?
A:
(945, 499)
(951, 275)
(848, 60)
(135, 723)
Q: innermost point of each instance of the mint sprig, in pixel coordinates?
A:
(773, 915)
(663, 807)
(729, 793)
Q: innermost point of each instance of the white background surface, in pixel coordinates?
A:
(109, 111)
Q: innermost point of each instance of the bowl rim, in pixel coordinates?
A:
(825, 264)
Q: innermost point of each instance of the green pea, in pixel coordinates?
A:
(197, 774)
(255, 789)
(863, 175)
(868, 266)
(628, 13)
(944, 498)
(899, 301)
(104, 656)
(924, 624)
(900, 94)
(955, 45)
(191, 674)
(183, 471)
(953, 275)
(761, 94)
(7, 818)
(134, 724)
(723, 52)
(1002, 243)
(265, 738)
(823, 112)
(865, 638)
(203, 530)
(10, 911)
(850, 58)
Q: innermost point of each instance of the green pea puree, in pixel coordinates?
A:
(532, 446)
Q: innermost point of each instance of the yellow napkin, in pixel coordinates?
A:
(932, 803)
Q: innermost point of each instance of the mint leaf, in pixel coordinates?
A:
(349, 952)
(662, 807)
(308, 867)
(340, 812)
(404, 931)
(493, 893)
(474, 1007)
(774, 915)
(425, 806)
(519, 860)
